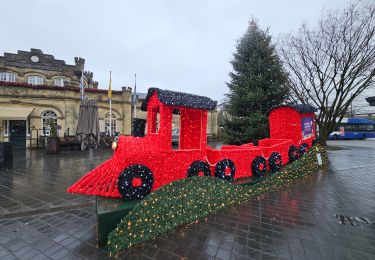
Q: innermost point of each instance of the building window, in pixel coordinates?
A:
(47, 116)
(6, 127)
(6, 76)
(107, 119)
(59, 82)
(35, 80)
(28, 130)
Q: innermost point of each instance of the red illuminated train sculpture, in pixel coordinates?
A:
(141, 165)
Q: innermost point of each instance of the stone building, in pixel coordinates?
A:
(37, 68)
(36, 88)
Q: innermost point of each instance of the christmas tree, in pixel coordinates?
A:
(258, 82)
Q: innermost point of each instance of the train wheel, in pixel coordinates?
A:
(225, 169)
(199, 168)
(259, 166)
(293, 153)
(135, 182)
(275, 162)
(304, 148)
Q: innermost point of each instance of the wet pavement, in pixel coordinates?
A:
(327, 216)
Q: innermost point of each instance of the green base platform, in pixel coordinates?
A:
(251, 180)
(110, 211)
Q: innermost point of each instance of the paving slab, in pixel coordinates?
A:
(327, 216)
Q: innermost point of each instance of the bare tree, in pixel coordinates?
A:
(332, 64)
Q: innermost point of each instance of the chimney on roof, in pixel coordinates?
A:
(89, 74)
(39, 51)
(79, 62)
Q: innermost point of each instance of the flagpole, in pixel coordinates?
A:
(110, 116)
(110, 104)
(135, 97)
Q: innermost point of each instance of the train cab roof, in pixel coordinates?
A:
(179, 99)
(301, 108)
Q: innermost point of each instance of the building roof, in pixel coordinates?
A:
(46, 63)
(55, 88)
(371, 100)
(179, 99)
(302, 108)
(140, 96)
(22, 59)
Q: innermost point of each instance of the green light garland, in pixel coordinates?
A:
(187, 200)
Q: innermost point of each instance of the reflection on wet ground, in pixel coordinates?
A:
(308, 219)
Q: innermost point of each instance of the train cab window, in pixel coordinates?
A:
(155, 120)
(176, 129)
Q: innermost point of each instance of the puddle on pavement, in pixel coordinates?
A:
(335, 148)
(353, 221)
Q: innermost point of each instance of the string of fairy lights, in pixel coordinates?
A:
(190, 199)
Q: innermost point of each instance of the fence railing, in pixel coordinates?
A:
(37, 139)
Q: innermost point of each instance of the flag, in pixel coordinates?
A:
(110, 86)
